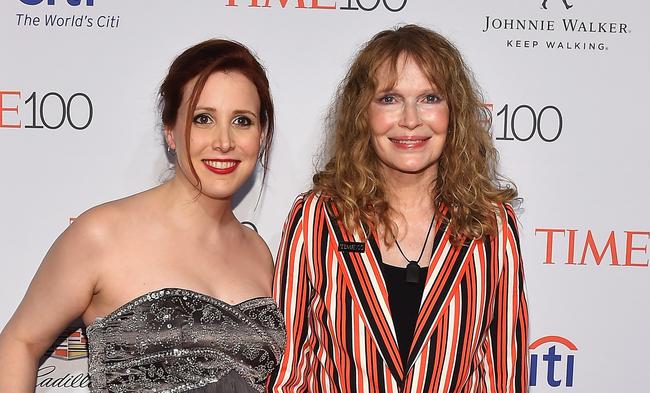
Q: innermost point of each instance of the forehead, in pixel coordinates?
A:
(404, 69)
(226, 89)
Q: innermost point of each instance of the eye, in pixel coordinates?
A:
(202, 119)
(242, 121)
(432, 98)
(387, 99)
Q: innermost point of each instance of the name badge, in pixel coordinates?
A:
(352, 246)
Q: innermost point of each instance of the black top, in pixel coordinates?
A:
(404, 300)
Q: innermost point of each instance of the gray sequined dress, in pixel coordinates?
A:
(176, 340)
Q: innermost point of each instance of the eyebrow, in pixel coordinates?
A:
(244, 112)
(393, 91)
(236, 111)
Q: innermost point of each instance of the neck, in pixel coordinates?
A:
(410, 193)
(187, 203)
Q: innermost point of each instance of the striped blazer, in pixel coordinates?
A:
(470, 334)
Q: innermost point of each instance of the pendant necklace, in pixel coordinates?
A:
(413, 267)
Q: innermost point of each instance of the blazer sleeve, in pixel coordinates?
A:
(292, 292)
(504, 367)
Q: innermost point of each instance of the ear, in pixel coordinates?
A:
(169, 138)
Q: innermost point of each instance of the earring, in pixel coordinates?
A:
(171, 151)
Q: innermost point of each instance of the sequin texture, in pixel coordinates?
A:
(176, 340)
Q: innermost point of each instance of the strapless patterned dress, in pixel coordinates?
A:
(176, 340)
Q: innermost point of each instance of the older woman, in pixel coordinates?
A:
(174, 290)
(401, 271)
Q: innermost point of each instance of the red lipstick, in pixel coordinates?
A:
(221, 166)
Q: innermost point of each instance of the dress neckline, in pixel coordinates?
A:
(158, 293)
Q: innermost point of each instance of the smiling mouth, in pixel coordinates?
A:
(221, 167)
(409, 143)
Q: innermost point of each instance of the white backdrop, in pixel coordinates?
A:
(569, 93)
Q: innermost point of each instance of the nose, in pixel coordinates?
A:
(223, 140)
(410, 116)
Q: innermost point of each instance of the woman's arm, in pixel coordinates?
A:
(505, 362)
(291, 289)
(59, 293)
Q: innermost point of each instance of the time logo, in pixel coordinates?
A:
(73, 3)
(51, 110)
(349, 5)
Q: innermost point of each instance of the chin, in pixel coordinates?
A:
(224, 189)
(220, 195)
(413, 168)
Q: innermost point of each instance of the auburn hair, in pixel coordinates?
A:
(468, 189)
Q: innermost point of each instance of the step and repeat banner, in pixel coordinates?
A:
(567, 82)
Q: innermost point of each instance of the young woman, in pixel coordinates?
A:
(173, 289)
(401, 271)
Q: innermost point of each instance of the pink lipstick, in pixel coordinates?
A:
(409, 143)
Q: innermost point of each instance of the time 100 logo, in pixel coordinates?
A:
(524, 122)
(355, 5)
(50, 110)
(74, 3)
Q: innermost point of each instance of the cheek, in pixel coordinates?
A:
(437, 120)
(196, 143)
(379, 146)
(444, 119)
(250, 144)
(442, 128)
(378, 121)
(444, 122)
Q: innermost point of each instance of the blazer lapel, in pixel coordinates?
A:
(366, 283)
(446, 267)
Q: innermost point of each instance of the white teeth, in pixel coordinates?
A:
(221, 164)
(407, 141)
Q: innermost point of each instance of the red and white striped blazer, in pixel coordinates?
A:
(471, 331)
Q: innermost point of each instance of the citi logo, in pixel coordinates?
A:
(559, 368)
(73, 3)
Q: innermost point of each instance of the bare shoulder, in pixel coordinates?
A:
(95, 232)
(97, 226)
(76, 255)
(87, 235)
(259, 248)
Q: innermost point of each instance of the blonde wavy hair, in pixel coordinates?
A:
(468, 190)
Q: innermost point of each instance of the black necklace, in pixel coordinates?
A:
(413, 267)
